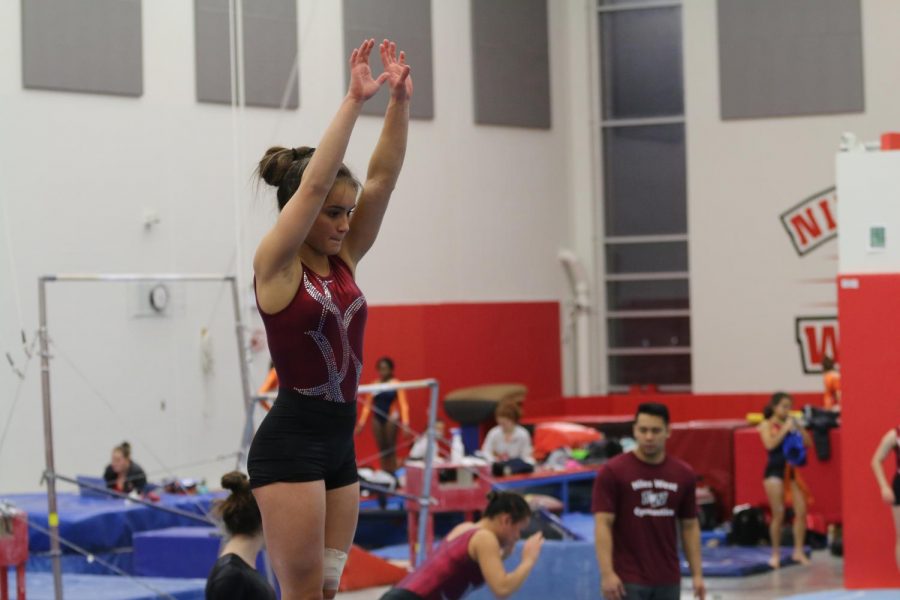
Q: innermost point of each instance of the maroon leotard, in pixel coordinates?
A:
(448, 574)
(316, 341)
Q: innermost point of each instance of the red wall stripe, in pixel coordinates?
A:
(464, 345)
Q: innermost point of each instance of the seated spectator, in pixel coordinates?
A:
(442, 448)
(508, 444)
(123, 474)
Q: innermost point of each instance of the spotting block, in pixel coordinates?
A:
(365, 570)
(176, 552)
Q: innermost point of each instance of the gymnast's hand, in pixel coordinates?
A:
(532, 547)
(362, 85)
(397, 71)
(887, 495)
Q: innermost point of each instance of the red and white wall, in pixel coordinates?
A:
(869, 184)
(464, 282)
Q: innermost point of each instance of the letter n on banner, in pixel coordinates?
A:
(817, 337)
(812, 222)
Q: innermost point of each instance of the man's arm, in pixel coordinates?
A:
(690, 540)
(610, 585)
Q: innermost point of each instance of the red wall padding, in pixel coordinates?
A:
(682, 407)
(464, 345)
(869, 320)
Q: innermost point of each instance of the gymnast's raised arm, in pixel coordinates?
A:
(278, 250)
(386, 161)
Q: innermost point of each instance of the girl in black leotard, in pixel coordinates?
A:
(890, 493)
(777, 425)
(234, 577)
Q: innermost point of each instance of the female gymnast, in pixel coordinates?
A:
(302, 461)
(234, 576)
(890, 493)
(778, 424)
(473, 554)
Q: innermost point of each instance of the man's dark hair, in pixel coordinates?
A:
(655, 409)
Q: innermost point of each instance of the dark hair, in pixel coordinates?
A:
(284, 167)
(653, 408)
(238, 511)
(509, 409)
(774, 401)
(509, 503)
(386, 360)
(125, 449)
(827, 363)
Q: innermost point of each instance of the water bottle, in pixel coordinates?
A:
(457, 450)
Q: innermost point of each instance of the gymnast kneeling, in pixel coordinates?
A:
(473, 553)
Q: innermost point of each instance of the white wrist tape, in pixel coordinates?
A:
(333, 568)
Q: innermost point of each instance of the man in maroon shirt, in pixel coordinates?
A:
(637, 499)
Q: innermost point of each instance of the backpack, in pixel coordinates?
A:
(794, 449)
(748, 526)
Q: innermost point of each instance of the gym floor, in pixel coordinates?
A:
(824, 573)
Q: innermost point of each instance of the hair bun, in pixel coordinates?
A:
(302, 152)
(274, 165)
(236, 482)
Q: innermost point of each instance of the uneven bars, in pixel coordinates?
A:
(52, 514)
(124, 277)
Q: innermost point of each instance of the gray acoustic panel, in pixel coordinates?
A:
(790, 57)
(83, 46)
(269, 46)
(407, 22)
(511, 63)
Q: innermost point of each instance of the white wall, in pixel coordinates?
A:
(747, 283)
(869, 185)
(478, 215)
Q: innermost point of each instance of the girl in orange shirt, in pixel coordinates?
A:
(384, 424)
(832, 385)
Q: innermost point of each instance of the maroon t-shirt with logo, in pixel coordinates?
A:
(646, 500)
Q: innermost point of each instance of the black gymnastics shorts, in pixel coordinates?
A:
(774, 470)
(304, 438)
(896, 489)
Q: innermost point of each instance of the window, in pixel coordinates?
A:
(646, 268)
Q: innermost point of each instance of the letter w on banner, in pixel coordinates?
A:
(812, 222)
(817, 338)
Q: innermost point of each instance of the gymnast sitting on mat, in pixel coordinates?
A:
(234, 576)
(473, 553)
(123, 474)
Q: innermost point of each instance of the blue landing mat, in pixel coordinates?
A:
(737, 561)
(101, 525)
(39, 586)
(565, 570)
(76, 563)
(583, 525)
(718, 561)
